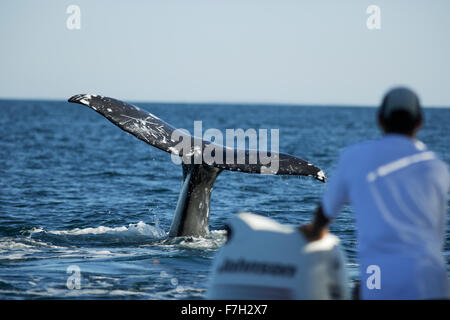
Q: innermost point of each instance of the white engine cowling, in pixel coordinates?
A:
(263, 259)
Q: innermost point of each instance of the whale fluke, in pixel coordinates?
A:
(132, 119)
(192, 212)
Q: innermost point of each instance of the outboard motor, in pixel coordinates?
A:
(264, 260)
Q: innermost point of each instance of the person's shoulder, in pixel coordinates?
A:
(421, 147)
(440, 166)
(435, 163)
(438, 171)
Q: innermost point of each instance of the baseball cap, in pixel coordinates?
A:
(400, 99)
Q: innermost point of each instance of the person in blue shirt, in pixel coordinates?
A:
(398, 191)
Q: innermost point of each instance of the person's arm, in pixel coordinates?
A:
(318, 227)
(335, 195)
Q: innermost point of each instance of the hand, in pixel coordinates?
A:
(311, 233)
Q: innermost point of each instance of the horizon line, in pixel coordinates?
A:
(212, 102)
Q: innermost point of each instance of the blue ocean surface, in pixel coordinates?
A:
(75, 190)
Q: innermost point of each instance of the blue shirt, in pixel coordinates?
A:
(398, 190)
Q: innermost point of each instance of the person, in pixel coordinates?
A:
(398, 191)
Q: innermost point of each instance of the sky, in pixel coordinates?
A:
(296, 52)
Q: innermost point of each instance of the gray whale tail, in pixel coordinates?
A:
(193, 207)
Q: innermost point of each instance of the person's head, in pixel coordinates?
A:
(400, 112)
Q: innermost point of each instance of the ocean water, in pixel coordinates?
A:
(75, 190)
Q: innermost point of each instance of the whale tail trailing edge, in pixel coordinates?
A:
(192, 212)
